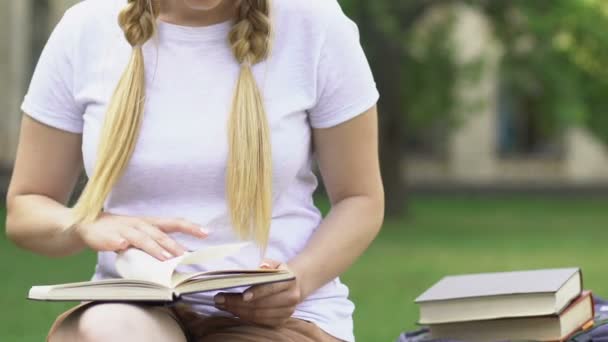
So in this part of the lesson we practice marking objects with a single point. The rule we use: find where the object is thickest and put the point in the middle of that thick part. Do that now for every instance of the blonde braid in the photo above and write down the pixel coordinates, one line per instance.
(124, 113)
(250, 36)
(249, 168)
(138, 21)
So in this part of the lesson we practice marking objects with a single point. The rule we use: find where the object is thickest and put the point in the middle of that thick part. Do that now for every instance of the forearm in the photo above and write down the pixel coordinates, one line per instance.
(346, 232)
(37, 223)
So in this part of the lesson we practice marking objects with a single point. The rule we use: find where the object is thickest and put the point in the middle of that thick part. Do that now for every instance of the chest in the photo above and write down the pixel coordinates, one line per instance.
(183, 140)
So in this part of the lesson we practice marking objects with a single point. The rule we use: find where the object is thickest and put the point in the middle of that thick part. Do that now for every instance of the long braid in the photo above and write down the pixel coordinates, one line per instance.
(138, 21)
(124, 114)
(249, 169)
(250, 36)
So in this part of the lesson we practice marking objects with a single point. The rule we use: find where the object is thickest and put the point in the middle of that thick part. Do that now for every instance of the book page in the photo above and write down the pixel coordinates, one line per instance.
(139, 265)
(180, 278)
(212, 253)
(204, 256)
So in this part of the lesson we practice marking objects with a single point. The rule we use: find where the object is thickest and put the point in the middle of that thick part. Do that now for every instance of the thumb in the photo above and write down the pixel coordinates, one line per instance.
(270, 264)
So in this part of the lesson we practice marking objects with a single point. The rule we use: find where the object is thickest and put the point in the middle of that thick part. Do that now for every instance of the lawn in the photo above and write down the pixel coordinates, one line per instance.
(439, 236)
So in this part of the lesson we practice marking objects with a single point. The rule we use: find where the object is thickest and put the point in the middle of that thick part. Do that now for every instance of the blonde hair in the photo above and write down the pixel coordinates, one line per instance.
(249, 166)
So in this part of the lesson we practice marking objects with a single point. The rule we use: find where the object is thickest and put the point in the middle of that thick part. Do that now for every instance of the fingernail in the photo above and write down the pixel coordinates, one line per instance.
(204, 231)
(219, 299)
(265, 265)
(167, 255)
(247, 296)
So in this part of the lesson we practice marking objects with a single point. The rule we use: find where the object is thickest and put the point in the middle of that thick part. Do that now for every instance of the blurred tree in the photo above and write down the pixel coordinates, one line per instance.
(554, 50)
(557, 51)
(415, 84)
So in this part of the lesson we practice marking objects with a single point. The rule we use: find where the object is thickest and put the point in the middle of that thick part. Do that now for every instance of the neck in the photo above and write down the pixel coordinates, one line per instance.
(177, 12)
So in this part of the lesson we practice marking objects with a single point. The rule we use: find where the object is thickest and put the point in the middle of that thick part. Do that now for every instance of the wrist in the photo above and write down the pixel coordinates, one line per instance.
(303, 277)
(70, 228)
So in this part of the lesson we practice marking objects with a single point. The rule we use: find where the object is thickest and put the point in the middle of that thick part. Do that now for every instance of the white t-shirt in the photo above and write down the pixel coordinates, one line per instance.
(316, 77)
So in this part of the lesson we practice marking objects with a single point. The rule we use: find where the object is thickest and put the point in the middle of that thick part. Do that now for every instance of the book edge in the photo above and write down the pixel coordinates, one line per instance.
(583, 296)
(48, 297)
(180, 294)
(579, 298)
(420, 301)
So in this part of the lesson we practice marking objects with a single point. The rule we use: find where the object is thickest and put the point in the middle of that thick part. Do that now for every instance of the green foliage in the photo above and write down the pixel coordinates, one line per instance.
(431, 63)
(412, 58)
(555, 53)
(555, 57)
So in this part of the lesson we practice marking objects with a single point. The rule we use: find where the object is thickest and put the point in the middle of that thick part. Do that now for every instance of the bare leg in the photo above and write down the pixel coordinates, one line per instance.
(119, 322)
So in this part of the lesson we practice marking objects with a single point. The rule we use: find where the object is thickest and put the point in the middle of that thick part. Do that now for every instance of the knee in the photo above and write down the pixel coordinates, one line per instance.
(119, 322)
(109, 322)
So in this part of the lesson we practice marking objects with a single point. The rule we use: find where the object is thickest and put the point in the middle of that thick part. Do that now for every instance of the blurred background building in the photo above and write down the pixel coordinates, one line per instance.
(500, 140)
(24, 29)
(497, 141)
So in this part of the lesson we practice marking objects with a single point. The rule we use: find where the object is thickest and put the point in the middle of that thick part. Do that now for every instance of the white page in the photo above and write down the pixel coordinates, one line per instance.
(139, 265)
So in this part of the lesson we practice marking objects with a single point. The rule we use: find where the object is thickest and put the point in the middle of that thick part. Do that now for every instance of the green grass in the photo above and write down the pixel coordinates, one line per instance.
(22, 320)
(459, 235)
(440, 236)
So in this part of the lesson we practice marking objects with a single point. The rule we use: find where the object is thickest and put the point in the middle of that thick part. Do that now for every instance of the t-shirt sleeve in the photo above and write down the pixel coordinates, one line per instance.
(345, 84)
(50, 97)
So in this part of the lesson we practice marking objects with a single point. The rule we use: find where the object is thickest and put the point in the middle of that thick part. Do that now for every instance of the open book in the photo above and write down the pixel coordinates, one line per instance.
(145, 278)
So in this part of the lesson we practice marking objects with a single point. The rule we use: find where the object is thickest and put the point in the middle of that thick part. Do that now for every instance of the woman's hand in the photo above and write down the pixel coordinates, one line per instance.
(268, 304)
(115, 233)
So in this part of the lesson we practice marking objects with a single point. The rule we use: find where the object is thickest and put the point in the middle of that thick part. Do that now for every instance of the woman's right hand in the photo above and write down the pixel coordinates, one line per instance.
(117, 232)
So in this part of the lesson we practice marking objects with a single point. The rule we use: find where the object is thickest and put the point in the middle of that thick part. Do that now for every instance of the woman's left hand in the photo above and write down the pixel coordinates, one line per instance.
(268, 304)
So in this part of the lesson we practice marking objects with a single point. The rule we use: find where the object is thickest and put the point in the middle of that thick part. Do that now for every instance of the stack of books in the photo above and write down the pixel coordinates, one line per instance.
(540, 305)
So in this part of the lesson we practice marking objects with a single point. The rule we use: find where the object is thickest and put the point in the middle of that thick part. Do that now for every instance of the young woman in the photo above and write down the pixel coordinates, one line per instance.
(197, 122)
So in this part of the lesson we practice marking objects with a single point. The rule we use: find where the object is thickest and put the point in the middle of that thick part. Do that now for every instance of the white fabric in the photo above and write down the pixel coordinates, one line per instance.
(316, 77)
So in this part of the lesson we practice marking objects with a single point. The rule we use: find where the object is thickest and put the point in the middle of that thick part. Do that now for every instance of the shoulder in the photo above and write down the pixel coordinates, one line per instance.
(313, 15)
(90, 15)
(91, 9)
(310, 9)
(304, 26)
(88, 24)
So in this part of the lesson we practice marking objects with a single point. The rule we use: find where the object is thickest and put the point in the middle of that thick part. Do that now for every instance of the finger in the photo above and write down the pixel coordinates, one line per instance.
(289, 298)
(224, 299)
(117, 243)
(232, 301)
(270, 264)
(283, 299)
(161, 238)
(108, 243)
(103, 239)
(234, 304)
(178, 225)
(265, 290)
(268, 317)
(145, 243)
